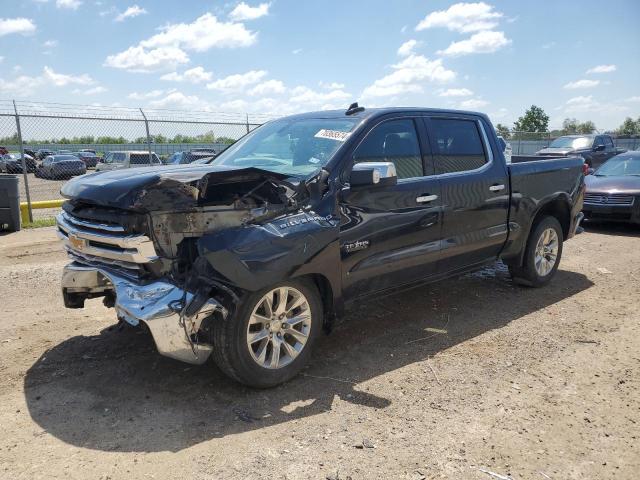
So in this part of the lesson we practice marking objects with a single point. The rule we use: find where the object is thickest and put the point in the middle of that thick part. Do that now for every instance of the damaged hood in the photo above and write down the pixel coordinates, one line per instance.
(159, 188)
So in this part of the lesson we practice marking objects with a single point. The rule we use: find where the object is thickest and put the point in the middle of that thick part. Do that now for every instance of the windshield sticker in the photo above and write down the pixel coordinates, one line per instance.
(314, 160)
(333, 135)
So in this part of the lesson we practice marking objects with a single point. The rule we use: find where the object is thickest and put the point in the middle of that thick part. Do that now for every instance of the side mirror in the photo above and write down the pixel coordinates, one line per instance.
(373, 174)
(598, 148)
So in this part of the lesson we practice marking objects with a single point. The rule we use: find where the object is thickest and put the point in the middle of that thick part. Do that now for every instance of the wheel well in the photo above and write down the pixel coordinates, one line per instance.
(559, 209)
(326, 295)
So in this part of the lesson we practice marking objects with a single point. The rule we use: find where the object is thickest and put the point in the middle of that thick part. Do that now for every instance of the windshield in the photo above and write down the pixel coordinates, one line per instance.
(571, 142)
(63, 158)
(620, 165)
(296, 147)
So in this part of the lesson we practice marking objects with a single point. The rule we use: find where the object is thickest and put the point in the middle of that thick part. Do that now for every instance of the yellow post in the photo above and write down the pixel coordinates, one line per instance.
(24, 207)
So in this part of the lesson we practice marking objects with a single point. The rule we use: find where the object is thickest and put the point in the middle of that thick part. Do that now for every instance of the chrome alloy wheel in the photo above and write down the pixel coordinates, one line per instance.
(546, 252)
(279, 327)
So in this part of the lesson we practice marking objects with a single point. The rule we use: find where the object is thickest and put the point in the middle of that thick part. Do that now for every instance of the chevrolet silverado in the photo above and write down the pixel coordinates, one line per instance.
(248, 259)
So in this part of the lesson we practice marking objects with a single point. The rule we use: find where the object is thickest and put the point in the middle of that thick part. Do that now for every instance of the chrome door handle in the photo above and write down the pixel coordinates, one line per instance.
(496, 188)
(426, 198)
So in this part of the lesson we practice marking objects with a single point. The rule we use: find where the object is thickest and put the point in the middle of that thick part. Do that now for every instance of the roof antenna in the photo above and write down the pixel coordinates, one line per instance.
(354, 108)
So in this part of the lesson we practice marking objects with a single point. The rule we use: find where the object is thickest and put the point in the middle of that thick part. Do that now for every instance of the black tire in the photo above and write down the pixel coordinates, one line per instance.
(231, 352)
(526, 274)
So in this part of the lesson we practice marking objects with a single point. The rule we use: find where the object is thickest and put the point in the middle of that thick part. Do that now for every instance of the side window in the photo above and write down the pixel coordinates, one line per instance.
(393, 141)
(457, 145)
(608, 141)
(139, 159)
(119, 157)
(108, 158)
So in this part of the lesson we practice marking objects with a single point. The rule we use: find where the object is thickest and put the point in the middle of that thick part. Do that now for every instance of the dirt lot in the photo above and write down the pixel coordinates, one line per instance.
(445, 381)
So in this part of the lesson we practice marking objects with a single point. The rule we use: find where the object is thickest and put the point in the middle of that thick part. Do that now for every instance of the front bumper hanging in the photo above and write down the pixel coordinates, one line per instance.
(153, 303)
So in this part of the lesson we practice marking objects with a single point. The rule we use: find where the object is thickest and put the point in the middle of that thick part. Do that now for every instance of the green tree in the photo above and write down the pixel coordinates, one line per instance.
(569, 126)
(586, 127)
(503, 130)
(533, 120)
(629, 127)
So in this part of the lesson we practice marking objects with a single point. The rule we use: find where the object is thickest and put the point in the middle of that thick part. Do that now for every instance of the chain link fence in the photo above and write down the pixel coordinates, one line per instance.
(61, 141)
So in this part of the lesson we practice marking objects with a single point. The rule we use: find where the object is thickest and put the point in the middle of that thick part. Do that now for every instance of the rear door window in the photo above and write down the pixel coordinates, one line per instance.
(457, 145)
(394, 141)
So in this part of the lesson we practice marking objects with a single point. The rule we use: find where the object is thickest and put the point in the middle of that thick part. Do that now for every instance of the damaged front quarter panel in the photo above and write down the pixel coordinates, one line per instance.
(254, 256)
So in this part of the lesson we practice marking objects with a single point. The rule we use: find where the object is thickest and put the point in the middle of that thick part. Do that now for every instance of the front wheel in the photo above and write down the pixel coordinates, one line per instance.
(542, 254)
(268, 339)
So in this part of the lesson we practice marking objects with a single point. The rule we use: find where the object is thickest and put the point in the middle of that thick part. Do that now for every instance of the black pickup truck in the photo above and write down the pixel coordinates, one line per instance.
(595, 149)
(250, 258)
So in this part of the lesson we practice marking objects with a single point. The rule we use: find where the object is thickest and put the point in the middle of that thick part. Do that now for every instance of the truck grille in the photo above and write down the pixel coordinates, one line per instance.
(608, 199)
(110, 244)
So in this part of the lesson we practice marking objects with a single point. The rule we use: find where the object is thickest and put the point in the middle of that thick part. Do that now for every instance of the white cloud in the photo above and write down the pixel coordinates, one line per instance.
(549, 45)
(70, 4)
(139, 59)
(331, 86)
(407, 47)
(602, 69)
(634, 99)
(145, 96)
(237, 82)
(177, 100)
(193, 75)
(309, 97)
(1, 59)
(61, 79)
(408, 76)
(473, 104)
(456, 92)
(132, 11)
(237, 105)
(164, 50)
(90, 91)
(25, 85)
(16, 25)
(582, 84)
(481, 42)
(296, 51)
(268, 87)
(50, 44)
(204, 33)
(245, 12)
(20, 86)
(500, 113)
(463, 18)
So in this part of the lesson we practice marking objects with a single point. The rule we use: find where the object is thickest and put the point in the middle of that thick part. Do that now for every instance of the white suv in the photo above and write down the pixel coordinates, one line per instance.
(128, 159)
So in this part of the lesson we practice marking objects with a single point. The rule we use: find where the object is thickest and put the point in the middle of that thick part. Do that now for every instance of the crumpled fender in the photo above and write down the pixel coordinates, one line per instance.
(256, 256)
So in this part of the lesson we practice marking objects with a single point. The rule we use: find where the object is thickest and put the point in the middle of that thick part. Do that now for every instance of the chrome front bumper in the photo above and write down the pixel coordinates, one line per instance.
(153, 303)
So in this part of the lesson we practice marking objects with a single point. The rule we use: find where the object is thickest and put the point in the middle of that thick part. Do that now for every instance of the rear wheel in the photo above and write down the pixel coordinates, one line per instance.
(269, 338)
(542, 254)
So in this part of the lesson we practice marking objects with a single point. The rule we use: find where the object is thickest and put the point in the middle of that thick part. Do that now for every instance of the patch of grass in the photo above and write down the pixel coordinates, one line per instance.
(40, 222)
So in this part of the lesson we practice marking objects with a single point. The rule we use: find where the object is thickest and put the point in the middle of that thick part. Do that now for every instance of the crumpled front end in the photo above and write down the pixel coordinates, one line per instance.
(173, 315)
(140, 251)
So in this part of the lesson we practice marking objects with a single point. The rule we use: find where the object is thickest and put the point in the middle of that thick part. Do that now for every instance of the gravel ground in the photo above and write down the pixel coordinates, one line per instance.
(453, 380)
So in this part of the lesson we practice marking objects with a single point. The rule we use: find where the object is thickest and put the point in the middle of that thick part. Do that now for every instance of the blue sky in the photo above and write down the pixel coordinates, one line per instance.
(574, 58)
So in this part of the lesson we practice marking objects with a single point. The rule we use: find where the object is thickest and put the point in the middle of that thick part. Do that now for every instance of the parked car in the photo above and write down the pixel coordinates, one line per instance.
(595, 149)
(90, 150)
(3, 150)
(64, 152)
(43, 152)
(12, 163)
(183, 158)
(60, 167)
(613, 190)
(506, 148)
(128, 159)
(250, 257)
(90, 159)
